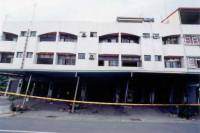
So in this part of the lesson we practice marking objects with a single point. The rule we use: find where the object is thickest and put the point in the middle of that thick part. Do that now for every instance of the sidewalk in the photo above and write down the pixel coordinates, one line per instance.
(5, 107)
(60, 111)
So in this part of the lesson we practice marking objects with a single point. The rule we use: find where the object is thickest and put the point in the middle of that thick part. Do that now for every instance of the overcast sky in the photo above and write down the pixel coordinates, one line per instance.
(88, 10)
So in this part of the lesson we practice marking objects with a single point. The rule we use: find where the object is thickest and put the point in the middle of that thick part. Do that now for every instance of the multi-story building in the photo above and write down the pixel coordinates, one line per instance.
(132, 60)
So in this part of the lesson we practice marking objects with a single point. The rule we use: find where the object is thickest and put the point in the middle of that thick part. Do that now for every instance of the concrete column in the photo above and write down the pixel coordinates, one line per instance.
(54, 58)
(126, 92)
(50, 90)
(119, 37)
(33, 89)
(7, 87)
(19, 87)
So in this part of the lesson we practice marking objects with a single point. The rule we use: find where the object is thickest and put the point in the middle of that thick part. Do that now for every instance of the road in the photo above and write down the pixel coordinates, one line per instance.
(51, 125)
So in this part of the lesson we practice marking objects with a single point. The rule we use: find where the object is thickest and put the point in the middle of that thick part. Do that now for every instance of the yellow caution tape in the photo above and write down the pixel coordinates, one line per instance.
(95, 103)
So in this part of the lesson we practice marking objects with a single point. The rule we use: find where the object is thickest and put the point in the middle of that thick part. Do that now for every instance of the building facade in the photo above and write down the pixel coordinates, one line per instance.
(129, 45)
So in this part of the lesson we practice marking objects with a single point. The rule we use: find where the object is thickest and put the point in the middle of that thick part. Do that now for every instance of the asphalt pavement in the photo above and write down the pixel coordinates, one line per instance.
(51, 125)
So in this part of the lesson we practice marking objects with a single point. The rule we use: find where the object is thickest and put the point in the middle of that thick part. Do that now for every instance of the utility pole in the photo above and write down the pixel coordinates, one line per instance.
(28, 33)
(27, 88)
(75, 94)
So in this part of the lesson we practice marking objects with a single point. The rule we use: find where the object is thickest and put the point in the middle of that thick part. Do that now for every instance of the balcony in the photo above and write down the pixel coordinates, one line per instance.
(6, 57)
(108, 60)
(48, 37)
(131, 61)
(9, 37)
(67, 37)
(66, 59)
(173, 62)
(109, 38)
(173, 39)
(45, 58)
(129, 38)
(193, 62)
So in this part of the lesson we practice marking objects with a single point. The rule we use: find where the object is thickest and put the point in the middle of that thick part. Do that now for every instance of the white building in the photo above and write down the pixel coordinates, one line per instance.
(129, 45)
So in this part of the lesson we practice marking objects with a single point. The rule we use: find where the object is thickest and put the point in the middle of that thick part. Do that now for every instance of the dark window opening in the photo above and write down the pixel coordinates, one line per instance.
(109, 38)
(19, 54)
(23, 33)
(146, 35)
(29, 54)
(129, 38)
(9, 36)
(45, 58)
(66, 59)
(93, 34)
(33, 33)
(131, 61)
(67, 37)
(108, 60)
(147, 57)
(48, 37)
(190, 16)
(6, 57)
(81, 55)
(158, 58)
(174, 39)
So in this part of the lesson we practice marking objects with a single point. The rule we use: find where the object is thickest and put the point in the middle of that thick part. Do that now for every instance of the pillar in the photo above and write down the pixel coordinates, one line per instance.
(50, 90)
(19, 87)
(7, 87)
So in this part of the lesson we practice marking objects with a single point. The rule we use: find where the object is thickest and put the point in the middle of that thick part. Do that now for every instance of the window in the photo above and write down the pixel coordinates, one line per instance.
(108, 60)
(33, 33)
(146, 35)
(131, 61)
(29, 54)
(129, 38)
(109, 38)
(193, 62)
(48, 37)
(147, 57)
(83, 34)
(6, 36)
(158, 58)
(81, 55)
(192, 39)
(156, 36)
(92, 56)
(23, 33)
(6, 57)
(173, 62)
(66, 59)
(19, 54)
(67, 37)
(45, 58)
(93, 34)
(173, 39)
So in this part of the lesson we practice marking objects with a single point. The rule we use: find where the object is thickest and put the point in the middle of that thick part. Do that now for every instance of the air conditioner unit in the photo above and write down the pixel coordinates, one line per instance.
(91, 57)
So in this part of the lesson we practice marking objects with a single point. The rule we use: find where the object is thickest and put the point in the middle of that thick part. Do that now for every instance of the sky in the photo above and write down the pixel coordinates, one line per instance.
(88, 10)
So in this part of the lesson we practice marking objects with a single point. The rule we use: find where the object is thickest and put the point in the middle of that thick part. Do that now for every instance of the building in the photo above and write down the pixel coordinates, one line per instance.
(132, 60)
